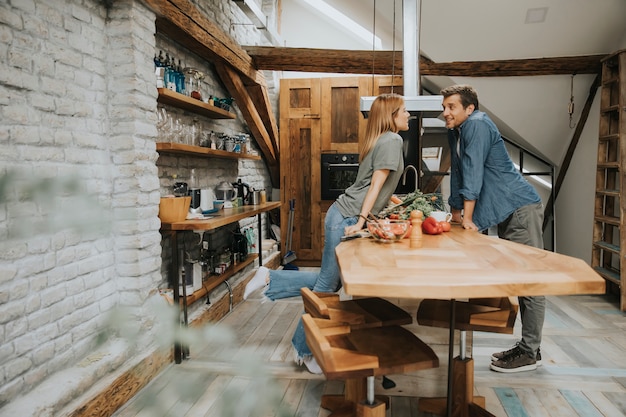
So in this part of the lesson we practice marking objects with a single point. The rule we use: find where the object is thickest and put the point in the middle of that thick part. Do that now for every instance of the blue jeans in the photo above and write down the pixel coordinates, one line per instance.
(287, 283)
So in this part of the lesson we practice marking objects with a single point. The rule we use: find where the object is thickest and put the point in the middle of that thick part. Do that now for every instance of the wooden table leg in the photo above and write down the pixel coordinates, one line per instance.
(462, 393)
(355, 392)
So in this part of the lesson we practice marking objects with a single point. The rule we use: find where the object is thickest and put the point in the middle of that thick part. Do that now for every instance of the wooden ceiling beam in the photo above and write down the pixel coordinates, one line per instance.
(388, 62)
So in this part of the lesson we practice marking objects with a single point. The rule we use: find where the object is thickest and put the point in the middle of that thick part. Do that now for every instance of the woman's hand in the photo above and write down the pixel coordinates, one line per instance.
(355, 228)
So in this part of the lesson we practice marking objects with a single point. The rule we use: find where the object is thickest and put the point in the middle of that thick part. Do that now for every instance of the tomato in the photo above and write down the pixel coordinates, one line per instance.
(394, 216)
(397, 229)
(445, 226)
(430, 226)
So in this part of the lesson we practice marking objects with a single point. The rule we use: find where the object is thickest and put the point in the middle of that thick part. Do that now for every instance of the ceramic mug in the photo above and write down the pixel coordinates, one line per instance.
(441, 216)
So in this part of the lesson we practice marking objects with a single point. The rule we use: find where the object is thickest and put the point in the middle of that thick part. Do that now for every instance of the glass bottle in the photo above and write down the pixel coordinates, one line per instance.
(180, 81)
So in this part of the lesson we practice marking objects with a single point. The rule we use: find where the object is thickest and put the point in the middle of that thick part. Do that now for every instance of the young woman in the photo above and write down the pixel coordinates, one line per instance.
(380, 166)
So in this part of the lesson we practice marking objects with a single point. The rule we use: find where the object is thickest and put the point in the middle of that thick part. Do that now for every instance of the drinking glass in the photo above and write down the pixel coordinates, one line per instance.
(162, 123)
(176, 130)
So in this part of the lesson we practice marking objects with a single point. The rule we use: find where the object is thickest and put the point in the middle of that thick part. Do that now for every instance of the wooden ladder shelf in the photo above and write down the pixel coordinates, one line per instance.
(609, 238)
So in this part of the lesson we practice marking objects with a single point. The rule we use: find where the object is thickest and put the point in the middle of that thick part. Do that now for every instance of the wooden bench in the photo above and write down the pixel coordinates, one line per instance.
(495, 315)
(358, 356)
(358, 313)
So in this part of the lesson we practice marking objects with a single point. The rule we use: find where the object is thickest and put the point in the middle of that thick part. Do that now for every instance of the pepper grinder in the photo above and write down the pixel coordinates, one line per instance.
(415, 240)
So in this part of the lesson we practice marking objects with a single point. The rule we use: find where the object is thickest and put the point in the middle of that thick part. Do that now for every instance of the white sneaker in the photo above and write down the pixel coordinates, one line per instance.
(259, 280)
(312, 365)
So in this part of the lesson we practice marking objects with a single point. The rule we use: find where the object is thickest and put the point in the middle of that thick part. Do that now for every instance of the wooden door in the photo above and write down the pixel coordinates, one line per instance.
(341, 120)
(300, 167)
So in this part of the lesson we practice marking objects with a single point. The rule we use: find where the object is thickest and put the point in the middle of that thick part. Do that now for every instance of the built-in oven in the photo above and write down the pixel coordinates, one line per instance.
(338, 173)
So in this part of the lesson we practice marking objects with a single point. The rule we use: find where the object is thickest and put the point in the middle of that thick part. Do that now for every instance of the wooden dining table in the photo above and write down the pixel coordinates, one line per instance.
(460, 264)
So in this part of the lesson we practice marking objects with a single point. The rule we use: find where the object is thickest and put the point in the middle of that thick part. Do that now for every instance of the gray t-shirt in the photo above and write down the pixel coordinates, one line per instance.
(386, 154)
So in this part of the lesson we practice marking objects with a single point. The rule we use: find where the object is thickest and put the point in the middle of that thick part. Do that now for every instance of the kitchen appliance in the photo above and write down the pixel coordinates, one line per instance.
(243, 190)
(180, 189)
(254, 197)
(225, 191)
(338, 172)
(207, 196)
(194, 207)
(239, 246)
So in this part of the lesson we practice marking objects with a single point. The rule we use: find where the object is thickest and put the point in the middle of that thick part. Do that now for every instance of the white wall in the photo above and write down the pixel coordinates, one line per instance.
(575, 202)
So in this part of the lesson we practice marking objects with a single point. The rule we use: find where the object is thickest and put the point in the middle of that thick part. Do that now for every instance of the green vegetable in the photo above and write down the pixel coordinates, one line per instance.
(416, 200)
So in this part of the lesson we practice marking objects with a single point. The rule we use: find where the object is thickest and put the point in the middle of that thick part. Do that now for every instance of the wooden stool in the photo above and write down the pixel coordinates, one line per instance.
(495, 315)
(359, 313)
(358, 356)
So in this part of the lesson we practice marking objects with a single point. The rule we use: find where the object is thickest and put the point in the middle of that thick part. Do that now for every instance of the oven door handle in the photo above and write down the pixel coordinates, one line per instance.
(330, 166)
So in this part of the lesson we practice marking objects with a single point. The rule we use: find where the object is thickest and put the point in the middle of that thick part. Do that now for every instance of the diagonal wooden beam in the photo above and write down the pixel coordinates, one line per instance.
(571, 149)
(248, 107)
(263, 106)
(386, 62)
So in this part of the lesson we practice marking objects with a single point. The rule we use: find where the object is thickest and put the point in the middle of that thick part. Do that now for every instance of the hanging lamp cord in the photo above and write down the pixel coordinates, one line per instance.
(373, 42)
(393, 47)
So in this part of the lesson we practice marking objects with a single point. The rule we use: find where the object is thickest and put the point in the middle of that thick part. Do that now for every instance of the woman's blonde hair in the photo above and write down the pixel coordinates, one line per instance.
(380, 120)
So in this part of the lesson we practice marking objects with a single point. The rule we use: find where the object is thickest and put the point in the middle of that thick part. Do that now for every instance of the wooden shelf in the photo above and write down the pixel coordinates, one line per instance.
(191, 150)
(222, 217)
(167, 96)
(214, 280)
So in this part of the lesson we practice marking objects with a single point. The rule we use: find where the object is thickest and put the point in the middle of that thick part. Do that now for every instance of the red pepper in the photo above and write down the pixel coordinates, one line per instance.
(430, 226)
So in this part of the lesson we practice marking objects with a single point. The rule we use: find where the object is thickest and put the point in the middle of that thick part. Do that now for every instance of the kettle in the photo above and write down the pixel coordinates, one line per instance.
(225, 191)
(206, 199)
(240, 187)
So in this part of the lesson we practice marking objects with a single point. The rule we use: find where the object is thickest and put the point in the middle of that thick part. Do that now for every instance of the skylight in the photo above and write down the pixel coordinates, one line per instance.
(345, 22)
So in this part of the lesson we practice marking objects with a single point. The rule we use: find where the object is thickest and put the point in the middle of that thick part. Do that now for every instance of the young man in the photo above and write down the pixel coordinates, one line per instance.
(487, 190)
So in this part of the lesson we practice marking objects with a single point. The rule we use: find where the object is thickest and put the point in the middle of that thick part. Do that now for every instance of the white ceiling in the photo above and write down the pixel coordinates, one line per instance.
(529, 110)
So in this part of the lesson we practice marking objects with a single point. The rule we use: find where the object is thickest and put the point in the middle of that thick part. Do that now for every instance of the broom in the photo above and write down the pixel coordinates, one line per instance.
(290, 255)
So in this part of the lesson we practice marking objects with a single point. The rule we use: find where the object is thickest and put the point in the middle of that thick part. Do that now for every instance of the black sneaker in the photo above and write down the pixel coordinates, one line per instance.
(516, 360)
(499, 355)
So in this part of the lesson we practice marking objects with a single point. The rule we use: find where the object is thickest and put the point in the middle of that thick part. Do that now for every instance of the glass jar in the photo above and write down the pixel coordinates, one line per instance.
(229, 144)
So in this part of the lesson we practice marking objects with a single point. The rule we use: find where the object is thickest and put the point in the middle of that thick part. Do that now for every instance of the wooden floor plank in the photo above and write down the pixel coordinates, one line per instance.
(281, 388)
(511, 402)
(618, 399)
(232, 402)
(606, 406)
(532, 405)
(309, 405)
(210, 396)
(293, 395)
(261, 330)
(188, 389)
(554, 402)
(579, 402)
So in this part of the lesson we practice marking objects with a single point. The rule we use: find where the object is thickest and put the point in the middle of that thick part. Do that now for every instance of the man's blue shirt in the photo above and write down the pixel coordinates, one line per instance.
(483, 171)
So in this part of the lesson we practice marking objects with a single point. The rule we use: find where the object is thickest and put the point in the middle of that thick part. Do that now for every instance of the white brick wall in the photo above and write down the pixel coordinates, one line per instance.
(77, 106)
